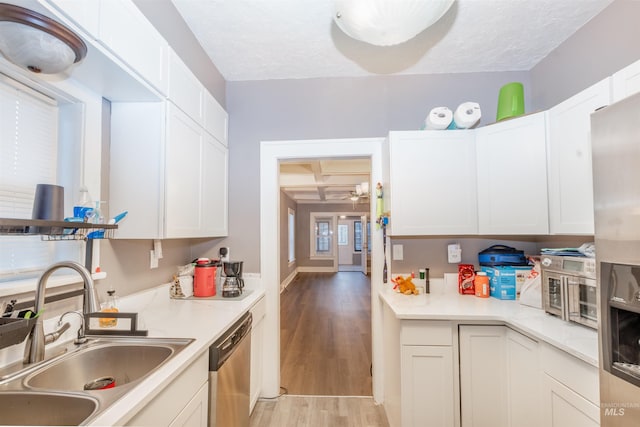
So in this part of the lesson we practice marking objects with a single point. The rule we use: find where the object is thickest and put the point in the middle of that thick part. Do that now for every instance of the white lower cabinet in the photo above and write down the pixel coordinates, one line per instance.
(184, 402)
(570, 390)
(196, 413)
(523, 380)
(563, 407)
(428, 375)
(257, 344)
(483, 376)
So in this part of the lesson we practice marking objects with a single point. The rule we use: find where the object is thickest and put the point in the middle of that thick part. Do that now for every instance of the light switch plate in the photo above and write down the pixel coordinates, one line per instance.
(398, 252)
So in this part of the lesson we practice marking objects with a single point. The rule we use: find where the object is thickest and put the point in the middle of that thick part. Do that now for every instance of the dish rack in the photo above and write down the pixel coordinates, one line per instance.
(56, 230)
(14, 331)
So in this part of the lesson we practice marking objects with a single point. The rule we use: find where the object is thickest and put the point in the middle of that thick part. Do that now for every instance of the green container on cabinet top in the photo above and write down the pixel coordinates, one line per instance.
(510, 101)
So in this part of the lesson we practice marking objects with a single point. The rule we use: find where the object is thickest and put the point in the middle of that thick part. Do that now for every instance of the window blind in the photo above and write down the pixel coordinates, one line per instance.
(28, 156)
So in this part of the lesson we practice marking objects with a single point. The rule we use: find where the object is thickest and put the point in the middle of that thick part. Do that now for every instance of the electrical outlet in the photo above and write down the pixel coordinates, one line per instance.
(398, 252)
(454, 253)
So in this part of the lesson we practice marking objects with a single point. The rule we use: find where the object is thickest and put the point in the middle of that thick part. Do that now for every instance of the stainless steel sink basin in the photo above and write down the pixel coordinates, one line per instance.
(105, 365)
(54, 392)
(40, 409)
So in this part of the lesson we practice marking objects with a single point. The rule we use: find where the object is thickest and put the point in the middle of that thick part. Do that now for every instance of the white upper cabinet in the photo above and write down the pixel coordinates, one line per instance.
(185, 90)
(216, 119)
(512, 176)
(126, 32)
(569, 154)
(433, 183)
(167, 172)
(85, 13)
(215, 166)
(626, 82)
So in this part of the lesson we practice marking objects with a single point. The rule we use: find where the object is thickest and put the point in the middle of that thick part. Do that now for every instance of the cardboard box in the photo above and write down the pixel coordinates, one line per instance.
(505, 282)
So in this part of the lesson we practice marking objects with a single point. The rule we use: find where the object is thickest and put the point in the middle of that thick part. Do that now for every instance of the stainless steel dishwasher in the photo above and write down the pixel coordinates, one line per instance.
(229, 376)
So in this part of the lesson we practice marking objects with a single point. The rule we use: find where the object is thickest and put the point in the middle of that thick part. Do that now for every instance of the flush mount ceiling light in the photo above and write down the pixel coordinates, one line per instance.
(387, 22)
(36, 42)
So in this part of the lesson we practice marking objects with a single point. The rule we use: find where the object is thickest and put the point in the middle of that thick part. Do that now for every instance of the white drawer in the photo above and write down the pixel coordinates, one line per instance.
(426, 332)
(574, 373)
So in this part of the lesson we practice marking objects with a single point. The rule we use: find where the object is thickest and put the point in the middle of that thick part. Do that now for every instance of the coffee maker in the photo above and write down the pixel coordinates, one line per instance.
(233, 283)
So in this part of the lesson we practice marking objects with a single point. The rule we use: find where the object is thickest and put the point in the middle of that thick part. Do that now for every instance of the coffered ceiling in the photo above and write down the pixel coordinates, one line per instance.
(325, 181)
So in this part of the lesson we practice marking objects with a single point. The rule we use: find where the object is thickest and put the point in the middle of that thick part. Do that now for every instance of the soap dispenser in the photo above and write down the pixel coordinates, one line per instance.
(110, 306)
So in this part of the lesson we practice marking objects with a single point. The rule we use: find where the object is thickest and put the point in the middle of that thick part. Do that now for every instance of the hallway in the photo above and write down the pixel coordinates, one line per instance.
(325, 335)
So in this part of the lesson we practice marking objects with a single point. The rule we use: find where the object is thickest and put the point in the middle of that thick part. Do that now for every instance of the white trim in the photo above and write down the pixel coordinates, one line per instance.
(317, 270)
(287, 281)
(271, 153)
(345, 267)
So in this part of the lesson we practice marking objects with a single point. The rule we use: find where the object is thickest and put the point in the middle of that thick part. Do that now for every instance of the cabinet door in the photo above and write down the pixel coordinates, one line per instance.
(563, 407)
(626, 82)
(483, 396)
(196, 413)
(216, 119)
(570, 172)
(512, 177)
(126, 32)
(214, 188)
(433, 183)
(185, 90)
(85, 13)
(257, 340)
(183, 175)
(523, 380)
(427, 390)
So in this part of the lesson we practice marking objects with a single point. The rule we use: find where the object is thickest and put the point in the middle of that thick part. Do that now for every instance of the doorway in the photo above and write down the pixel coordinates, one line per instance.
(272, 152)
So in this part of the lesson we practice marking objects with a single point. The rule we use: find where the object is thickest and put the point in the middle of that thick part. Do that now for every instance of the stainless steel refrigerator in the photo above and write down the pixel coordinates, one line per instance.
(615, 139)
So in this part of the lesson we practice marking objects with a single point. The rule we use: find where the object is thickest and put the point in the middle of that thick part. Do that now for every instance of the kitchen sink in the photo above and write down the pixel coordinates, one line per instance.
(41, 409)
(101, 366)
(77, 385)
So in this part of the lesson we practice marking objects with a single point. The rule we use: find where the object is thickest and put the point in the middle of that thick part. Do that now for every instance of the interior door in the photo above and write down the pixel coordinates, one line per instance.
(365, 244)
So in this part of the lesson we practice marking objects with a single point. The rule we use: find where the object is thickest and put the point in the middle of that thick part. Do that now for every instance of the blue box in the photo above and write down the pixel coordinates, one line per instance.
(505, 282)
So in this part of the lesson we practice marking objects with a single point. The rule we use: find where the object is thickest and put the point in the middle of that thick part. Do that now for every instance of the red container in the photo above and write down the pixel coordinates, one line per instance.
(204, 278)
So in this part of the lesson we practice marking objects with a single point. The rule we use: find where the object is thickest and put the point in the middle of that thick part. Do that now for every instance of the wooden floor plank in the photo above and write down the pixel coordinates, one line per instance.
(326, 335)
(318, 411)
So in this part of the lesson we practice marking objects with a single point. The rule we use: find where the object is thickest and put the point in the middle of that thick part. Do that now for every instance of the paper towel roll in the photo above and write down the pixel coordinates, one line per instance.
(439, 118)
(467, 115)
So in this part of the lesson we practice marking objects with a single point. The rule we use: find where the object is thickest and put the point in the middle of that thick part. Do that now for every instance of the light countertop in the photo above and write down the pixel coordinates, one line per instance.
(445, 303)
(203, 320)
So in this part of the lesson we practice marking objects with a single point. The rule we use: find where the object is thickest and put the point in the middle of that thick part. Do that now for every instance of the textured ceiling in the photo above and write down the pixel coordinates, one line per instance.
(285, 39)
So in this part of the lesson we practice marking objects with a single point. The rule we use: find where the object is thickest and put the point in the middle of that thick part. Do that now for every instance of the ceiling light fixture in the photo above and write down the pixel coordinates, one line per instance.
(387, 22)
(36, 42)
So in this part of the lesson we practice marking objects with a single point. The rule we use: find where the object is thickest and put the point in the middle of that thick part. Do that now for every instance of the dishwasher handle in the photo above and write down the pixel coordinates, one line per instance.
(224, 346)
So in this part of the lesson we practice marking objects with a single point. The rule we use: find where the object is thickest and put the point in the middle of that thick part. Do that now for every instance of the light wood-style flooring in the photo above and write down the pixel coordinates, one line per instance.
(318, 411)
(325, 335)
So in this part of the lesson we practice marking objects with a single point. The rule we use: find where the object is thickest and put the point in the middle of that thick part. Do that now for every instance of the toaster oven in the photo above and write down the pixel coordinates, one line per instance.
(569, 288)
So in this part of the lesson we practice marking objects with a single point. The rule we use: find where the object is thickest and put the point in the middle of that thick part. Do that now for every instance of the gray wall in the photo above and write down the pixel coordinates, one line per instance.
(285, 203)
(432, 252)
(608, 43)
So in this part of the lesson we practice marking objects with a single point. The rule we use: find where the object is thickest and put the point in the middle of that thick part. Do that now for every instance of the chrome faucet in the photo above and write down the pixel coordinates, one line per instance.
(80, 338)
(34, 348)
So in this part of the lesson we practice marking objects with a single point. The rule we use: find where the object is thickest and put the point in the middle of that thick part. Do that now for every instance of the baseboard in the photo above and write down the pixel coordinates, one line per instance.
(316, 270)
(287, 281)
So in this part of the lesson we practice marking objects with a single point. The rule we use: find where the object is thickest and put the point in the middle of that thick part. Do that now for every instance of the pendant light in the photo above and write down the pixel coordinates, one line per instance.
(36, 42)
(387, 22)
